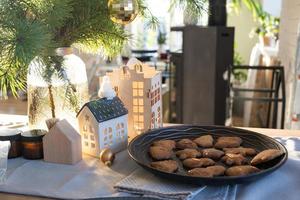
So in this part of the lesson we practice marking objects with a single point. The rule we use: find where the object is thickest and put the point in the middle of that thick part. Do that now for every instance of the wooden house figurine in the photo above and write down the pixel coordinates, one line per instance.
(103, 123)
(62, 144)
(139, 87)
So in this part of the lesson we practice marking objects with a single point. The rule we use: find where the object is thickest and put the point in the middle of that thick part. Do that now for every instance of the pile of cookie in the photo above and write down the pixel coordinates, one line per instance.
(204, 157)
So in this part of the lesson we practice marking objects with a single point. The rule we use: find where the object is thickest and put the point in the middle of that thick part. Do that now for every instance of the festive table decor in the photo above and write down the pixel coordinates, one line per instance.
(103, 122)
(62, 144)
(123, 11)
(38, 35)
(139, 87)
(52, 94)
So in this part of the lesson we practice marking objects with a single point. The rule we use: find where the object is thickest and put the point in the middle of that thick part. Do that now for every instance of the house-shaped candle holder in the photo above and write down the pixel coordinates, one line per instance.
(103, 124)
(139, 87)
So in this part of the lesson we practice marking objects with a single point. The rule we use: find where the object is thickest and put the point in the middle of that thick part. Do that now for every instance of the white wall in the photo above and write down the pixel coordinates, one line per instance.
(243, 23)
(289, 32)
(272, 6)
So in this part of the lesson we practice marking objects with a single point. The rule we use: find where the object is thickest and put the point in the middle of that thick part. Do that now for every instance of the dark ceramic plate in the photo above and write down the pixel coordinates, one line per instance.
(139, 146)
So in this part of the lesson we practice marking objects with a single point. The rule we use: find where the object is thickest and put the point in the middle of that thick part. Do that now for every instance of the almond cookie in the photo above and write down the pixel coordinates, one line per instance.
(205, 141)
(165, 166)
(188, 153)
(241, 150)
(211, 171)
(160, 153)
(234, 159)
(186, 144)
(242, 170)
(197, 162)
(212, 153)
(266, 156)
(228, 142)
(169, 144)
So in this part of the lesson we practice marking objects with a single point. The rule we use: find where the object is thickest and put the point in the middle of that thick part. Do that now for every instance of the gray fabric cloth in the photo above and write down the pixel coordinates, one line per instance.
(144, 183)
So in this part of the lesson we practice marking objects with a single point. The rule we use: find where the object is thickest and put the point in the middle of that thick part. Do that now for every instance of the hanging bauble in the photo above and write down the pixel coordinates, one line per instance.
(122, 11)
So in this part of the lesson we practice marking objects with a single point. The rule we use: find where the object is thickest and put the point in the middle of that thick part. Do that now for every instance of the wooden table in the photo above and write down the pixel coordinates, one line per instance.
(269, 132)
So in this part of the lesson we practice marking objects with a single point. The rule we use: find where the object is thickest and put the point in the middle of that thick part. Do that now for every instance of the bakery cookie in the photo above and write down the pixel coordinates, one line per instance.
(188, 153)
(186, 144)
(266, 156)
(242, 170)
(241, 150)
(205, 141)
(165, 166)
(169, 144)
(212, 153)
(234, 159)
(160, 153)
(228, 142)
(197, 162)
(211, 171)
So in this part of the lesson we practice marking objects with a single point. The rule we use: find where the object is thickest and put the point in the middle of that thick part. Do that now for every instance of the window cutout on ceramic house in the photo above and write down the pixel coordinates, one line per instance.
(141, 93)
(135, 109)
(141, 85)
(134, 85)
(141, 102)
(92, 137)
(135, 92)
(86, 143)
(105, 131)
(91, 129)
(93, 145)
(85, 128)
(87, 118)
(135, 102)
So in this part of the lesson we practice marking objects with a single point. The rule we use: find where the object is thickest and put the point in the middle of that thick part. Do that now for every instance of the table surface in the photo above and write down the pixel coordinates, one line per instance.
(269, 132)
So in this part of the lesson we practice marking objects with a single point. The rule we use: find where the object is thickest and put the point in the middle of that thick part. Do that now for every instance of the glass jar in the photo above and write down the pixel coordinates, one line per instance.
(14, 137)
(62, 95)
(32, 144)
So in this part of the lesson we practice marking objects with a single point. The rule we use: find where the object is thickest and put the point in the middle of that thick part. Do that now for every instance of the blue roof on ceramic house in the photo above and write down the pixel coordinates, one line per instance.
(104, 109)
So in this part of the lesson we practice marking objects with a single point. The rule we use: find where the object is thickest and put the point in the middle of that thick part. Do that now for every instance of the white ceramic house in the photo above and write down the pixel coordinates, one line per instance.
(103, 124)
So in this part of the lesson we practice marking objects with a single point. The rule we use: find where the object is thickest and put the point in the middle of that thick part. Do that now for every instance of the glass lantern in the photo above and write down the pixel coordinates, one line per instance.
(52, 98)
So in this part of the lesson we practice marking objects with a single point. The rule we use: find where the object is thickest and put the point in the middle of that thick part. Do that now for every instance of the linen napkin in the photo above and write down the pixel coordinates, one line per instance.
(144, 183)
(4, 148)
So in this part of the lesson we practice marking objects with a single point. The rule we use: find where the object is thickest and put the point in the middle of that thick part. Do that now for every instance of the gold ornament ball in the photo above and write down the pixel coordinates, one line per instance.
(122, 11)
(107, 156)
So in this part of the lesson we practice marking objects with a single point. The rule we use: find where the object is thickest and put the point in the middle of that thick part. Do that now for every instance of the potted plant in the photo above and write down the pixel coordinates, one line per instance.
(36, 51)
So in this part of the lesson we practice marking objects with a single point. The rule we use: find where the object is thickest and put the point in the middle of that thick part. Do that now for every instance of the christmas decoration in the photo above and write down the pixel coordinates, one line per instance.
(107, 157)
(103, 122)
(50, 97)
(62, 144)
(31, 29)
(35, 29)
(123, 11)
(139, 87)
